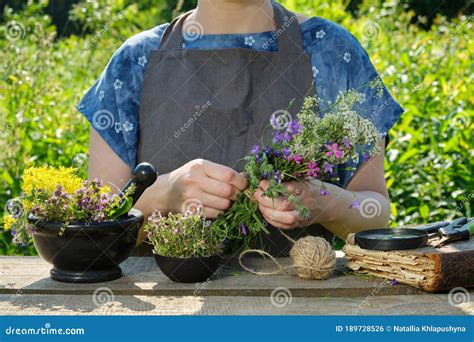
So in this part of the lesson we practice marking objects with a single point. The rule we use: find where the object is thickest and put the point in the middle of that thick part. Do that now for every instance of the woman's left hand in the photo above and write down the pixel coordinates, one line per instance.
(280, 212)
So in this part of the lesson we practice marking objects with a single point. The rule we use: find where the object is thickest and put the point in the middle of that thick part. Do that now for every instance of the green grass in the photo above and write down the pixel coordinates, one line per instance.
(429, 162)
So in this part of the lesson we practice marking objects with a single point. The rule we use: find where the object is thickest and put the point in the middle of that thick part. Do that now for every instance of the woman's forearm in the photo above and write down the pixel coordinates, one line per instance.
(342, 211)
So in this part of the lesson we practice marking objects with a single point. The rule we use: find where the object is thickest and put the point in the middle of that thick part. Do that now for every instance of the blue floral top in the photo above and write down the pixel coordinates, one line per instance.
(339, 63)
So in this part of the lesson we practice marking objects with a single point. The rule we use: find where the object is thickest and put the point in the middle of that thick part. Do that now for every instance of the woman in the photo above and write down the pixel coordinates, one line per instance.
(193, 96)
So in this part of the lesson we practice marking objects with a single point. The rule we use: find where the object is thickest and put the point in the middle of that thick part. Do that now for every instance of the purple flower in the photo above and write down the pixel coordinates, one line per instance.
(295, 127)
(258, 159)
(274, 121)
(265, 175)
(277, 176)
(243, 229)
(35, 210)
(297, 159)
(333, 149)
(268, 150)
(278, 137)
(323, 192)
(277, 154)
(313, 169)
(287, 136)
(328, 168)
(355, 204)
(366, 156)
(346, 142)
(59, 190)
(255, 149)
(286, 152)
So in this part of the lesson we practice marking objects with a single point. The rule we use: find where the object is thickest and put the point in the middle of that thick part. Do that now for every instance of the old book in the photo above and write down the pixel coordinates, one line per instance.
(428, 268)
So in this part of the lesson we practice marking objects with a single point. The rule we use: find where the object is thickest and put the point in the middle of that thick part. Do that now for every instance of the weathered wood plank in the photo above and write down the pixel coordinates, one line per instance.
(30, 275)
(426, 304)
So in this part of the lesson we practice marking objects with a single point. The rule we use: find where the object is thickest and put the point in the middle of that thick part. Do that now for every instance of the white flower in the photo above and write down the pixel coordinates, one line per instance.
(320, 34)
(101, 95)
(347, 57)
(315, 72)
(249, 41)
(390, 70)
(142, 61)
(118, 84)
(127, 126)
(118, 127)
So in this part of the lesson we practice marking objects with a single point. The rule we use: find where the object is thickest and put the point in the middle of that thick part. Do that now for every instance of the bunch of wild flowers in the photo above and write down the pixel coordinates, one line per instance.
(310, 147)
(183, 235)
(52, 194)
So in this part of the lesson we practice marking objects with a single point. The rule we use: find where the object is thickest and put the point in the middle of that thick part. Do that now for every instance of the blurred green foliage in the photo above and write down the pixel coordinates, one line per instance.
(430, 72)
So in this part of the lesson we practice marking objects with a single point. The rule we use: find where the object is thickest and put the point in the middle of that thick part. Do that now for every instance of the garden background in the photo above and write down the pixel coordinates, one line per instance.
(53, 51)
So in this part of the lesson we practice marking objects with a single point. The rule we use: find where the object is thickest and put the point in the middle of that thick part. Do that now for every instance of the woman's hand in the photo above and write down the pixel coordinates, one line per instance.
(364, 204)
(203, 183)
(280, 212)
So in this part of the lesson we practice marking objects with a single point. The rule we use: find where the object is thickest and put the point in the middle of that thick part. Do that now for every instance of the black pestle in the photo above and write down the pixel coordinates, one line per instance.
(143, 176)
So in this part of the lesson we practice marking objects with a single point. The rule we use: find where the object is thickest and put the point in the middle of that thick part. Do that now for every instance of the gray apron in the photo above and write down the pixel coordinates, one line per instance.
(217, 104)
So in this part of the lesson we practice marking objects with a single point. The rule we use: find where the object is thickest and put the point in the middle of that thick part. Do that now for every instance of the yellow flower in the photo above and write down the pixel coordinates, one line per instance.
(8, 221)
(47, 178)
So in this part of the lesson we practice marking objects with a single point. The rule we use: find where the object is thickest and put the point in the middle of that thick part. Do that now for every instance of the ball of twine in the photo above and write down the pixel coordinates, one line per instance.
(313, 258)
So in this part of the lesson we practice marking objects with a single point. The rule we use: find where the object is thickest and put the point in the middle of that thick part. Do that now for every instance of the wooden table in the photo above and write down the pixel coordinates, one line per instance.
(26, 289)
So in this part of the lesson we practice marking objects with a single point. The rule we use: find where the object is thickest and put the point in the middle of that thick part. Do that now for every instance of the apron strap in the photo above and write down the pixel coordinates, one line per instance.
(172, 38)
(288, 32)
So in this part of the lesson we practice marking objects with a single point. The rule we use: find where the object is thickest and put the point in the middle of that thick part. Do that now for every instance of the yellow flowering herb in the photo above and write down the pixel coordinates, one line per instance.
(47, 178)
(8, 221)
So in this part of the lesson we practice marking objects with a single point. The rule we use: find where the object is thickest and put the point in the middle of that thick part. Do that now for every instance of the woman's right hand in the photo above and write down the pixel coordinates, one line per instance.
(203, 183)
